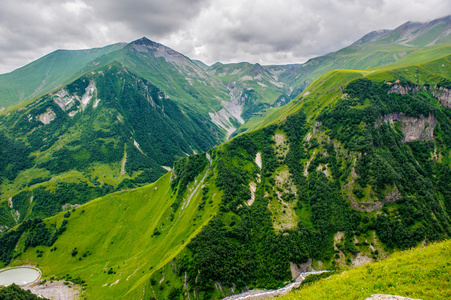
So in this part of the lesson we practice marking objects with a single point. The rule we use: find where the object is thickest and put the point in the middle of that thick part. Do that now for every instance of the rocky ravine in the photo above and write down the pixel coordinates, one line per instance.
(263, 294)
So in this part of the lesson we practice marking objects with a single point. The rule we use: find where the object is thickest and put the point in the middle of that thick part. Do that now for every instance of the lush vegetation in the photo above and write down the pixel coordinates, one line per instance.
(386, 161)
(34, 233)
(335, 182)
(241, 247)
(75, 159)
(13, 291)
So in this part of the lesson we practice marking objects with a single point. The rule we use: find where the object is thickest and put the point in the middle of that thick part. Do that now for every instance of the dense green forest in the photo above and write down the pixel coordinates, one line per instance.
(15, 292)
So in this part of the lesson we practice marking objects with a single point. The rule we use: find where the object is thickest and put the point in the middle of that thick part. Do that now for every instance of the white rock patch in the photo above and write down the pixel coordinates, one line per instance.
(253, 189)
(137, 146)
(258, 160)
(47, 117)
(63, 99)
(87, 96)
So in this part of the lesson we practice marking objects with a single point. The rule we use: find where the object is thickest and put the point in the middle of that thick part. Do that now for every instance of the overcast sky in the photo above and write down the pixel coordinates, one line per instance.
(263, 31)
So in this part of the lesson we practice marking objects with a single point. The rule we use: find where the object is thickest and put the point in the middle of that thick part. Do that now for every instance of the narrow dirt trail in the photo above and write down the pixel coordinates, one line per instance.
(124, 161)
(199, 184)
(263, 294)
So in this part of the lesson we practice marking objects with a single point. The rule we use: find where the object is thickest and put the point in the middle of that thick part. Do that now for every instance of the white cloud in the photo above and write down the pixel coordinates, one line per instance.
(285, 31)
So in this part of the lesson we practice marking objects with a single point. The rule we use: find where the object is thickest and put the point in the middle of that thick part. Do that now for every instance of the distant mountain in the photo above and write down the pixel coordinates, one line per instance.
(416, 34)
(256, 86)
(378, 48)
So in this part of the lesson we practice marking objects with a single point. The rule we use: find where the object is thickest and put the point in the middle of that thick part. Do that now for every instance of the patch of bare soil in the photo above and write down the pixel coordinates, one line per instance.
(54, 290)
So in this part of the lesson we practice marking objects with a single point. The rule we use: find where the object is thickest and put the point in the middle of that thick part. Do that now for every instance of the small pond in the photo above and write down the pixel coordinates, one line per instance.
(19, 275)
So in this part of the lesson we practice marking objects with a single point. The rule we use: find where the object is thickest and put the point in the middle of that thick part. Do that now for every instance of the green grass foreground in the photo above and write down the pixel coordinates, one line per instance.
(421, 273)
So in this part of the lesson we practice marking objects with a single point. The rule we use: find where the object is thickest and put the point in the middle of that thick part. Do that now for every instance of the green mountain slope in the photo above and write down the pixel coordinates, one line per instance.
(136, 233)
(421, 273)
(175, 74)
(48, 73)
(356, 168)
(106, 131)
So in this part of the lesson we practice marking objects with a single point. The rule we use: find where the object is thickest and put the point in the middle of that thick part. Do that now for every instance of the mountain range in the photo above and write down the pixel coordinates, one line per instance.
(209, 180)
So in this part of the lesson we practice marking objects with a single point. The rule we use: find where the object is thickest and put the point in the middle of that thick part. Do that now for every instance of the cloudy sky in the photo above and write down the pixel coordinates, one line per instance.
(264, 31)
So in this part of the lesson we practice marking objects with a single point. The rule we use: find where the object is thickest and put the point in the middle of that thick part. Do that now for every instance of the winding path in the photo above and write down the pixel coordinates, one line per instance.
(199, 184)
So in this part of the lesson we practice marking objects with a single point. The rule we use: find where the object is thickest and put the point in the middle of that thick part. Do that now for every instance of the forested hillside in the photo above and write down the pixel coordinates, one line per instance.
(106, 131)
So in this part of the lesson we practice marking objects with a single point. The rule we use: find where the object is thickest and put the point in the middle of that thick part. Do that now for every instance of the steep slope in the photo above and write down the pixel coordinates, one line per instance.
(421, 57)
(355, 169)
(260, 86)
(175, 74)
(135, 234)
(108, 130)
(48, 73)
(336, 184)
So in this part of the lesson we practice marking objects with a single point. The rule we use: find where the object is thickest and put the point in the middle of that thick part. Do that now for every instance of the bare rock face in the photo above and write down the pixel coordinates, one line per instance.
(414, 129)
(388, 297)
(63, 99)
(441, 93)
(444, 95)
(403, 90)
(296, 270)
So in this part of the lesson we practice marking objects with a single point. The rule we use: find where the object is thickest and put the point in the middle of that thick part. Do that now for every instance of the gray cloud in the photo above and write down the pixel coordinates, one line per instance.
(293, 31)
(31, 29)
(285, 31)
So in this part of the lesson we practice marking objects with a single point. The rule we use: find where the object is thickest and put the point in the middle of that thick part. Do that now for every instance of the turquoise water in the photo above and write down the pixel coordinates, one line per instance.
(19, 276)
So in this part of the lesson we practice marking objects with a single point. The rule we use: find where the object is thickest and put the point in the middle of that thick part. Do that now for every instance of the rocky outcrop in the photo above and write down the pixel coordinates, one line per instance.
(403, 90)
(66, 101)
(393, 196)
(443, 94)
(296, 269)
(63, 99)
(366, 206)
(414, 129)
(47, 117)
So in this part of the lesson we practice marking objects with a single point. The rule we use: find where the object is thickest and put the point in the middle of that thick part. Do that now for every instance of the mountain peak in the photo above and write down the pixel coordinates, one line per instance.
(145, 42)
